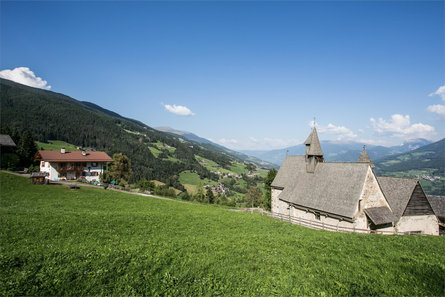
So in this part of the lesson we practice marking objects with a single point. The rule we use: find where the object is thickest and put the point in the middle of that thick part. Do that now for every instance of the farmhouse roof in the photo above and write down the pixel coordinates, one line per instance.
(5, 140)
(438, 205)
(314, 144)
(380, 215)
(397, 192)
(74, 156)
(364, 158)
(333, 188)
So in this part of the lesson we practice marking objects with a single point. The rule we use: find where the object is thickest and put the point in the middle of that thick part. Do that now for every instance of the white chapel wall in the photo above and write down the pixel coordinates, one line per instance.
(426, 224)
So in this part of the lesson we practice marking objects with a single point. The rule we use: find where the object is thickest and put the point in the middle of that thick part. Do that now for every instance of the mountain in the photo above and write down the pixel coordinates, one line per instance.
(338, 151)
(154, 155)
(185, 134)
(426, 163)
(217, 148)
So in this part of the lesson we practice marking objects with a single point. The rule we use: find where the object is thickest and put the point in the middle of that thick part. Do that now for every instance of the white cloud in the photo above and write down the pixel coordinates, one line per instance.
(438, 109)
(253, 143)
(179, 110)
(23, 75)
(225, 141)
(381, 142)
(340, 131)
(440, 91)
(400, 126)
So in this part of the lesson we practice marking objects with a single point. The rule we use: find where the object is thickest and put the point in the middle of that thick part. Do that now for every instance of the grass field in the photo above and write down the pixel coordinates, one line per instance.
(56, 241)
(55, 145)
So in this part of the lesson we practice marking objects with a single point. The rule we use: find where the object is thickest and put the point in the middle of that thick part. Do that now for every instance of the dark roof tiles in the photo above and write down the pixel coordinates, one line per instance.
(5, 140)
(380, 215)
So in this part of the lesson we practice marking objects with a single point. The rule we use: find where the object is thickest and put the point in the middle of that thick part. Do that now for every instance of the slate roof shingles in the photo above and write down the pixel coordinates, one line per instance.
(6, 140)
(333, 188)
(380, 215)
(397, 192)
(438, 205)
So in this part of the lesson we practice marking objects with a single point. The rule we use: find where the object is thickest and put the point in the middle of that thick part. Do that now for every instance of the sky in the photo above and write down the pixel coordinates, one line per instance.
(250, 75)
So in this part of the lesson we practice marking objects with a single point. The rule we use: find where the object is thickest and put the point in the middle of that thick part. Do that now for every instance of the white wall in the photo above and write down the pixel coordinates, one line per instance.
(89, 171)
(278, 206)
(427, 224)
(371, 196)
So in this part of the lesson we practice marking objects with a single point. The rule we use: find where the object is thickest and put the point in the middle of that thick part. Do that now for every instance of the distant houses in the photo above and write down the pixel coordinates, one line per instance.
(72, 165)
(349, 195)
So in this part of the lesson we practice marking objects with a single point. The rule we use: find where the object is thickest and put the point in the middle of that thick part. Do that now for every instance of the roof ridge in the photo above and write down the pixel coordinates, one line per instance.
(407, 178)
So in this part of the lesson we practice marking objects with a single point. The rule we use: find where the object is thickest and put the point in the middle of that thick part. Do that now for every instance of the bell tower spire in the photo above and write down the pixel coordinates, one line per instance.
(314, 154)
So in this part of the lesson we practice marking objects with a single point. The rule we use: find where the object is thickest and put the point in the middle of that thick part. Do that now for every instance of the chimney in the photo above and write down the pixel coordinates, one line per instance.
(62, 150)
(84, 153)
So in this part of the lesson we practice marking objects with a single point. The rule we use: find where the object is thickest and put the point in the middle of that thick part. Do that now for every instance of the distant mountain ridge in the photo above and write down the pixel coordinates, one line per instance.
(214, 146)
(338, 152)
(426, 163)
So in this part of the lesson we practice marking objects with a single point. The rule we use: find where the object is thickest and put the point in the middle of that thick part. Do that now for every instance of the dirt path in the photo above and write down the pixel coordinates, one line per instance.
(66, 183)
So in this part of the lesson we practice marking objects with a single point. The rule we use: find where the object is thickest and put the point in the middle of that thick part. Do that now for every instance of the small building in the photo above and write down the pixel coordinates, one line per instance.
(349, 195)
(72, 165)
(438, 205)
(39, 178)
(6, 141)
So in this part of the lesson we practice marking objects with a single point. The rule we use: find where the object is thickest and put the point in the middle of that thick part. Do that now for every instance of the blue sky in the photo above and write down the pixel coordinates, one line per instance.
(248, 75)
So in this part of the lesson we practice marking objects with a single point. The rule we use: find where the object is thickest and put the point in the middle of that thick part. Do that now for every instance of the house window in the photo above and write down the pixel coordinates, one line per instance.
(359, 205)
(317, 216)
(42, 163)
(94, 164)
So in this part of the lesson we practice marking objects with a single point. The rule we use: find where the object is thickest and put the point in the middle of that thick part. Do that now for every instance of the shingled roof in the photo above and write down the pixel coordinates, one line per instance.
(333, 188)
(314, 144)
(397, 192)
(438, 205)
(380, 215)
(5, 140)
(364, 158)
(74, 156)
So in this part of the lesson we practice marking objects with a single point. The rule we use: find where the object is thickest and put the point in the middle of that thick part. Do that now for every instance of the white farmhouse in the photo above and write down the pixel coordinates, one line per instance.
(71, 165)
(349, 194)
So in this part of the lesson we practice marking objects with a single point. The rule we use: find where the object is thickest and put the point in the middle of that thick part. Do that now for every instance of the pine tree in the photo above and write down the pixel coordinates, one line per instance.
(210, 196)
(268, 193)
(26, 149)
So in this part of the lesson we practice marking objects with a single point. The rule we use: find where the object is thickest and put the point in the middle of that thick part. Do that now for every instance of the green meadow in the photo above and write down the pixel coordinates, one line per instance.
(57, 241)
(56, 145)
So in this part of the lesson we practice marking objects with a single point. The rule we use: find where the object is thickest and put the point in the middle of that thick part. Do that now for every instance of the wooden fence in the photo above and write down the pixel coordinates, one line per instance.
(321, 225)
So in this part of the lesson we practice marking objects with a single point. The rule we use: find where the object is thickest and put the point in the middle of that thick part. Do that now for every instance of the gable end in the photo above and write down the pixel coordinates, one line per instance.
(418, 204)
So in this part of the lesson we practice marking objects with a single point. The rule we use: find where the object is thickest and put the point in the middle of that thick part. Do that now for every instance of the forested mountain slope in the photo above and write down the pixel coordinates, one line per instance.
(426, 163)
(155, 155)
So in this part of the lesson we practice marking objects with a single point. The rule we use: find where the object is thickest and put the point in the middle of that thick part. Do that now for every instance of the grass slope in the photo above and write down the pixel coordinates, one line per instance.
(55, 145)
(57, 241)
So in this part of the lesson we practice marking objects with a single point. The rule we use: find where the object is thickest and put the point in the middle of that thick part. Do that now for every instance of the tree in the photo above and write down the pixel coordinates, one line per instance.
(253, 197)
(210, 196)
(268, 193)
(199, 196)
(120, 170)
(146, 185)
(26, 149)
